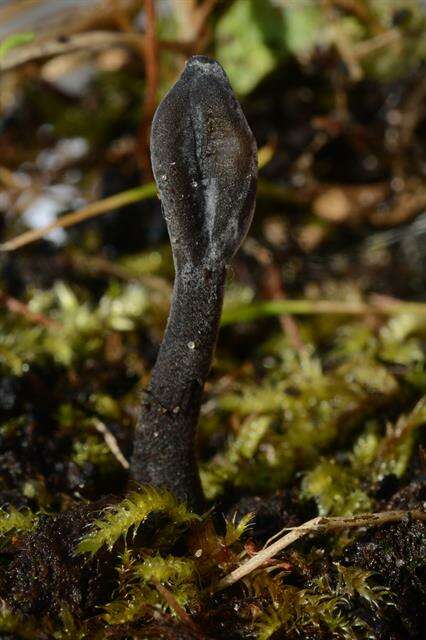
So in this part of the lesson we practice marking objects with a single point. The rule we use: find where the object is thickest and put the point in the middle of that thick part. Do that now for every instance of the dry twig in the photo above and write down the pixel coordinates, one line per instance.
(151, 72)
(92, 210)
(21, 309)
(374, 44)
(320, 524)
(111, 442)
(148, 50)
(273, 288)
(174, 605)
(90, 40)
(192, 18)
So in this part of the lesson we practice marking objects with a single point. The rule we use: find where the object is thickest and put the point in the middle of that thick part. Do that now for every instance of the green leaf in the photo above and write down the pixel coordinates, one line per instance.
(303, 24)
(249, 42)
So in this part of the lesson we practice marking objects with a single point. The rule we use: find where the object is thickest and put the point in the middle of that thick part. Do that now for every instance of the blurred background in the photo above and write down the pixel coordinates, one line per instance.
(334, 92)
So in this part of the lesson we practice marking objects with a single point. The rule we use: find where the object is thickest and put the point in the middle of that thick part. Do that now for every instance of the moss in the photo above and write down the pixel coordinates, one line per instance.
(344, 412)
(12, 519)
(13, 624)
(118, 519)
(93, 450)
(325, 608)
(177, 575)
(300, 412)
(82, 327)
(396, 447)
(336, 490)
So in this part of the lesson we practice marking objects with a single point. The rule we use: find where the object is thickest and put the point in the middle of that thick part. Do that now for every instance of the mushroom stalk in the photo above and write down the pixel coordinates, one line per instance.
(204, 163)
(164, 451)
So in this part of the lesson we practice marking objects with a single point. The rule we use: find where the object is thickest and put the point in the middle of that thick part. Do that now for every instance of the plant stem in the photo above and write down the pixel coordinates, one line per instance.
(256, 310)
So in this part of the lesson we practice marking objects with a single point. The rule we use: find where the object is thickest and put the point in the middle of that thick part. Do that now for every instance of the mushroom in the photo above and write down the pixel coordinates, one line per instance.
(205, 165)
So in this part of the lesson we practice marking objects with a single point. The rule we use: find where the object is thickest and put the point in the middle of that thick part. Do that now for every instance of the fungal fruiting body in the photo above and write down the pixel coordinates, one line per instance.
(205, 165)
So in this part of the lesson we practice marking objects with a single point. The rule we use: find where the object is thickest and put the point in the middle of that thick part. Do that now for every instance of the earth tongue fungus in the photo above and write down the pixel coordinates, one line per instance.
(204, 162)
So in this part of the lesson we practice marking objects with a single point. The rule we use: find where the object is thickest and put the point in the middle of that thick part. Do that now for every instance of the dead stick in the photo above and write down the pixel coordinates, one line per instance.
(174, 605)
(91, 40)
(94, 209)
(320, 524)
(151, 61)
(21, 309)
(111, 442)
(151, 72)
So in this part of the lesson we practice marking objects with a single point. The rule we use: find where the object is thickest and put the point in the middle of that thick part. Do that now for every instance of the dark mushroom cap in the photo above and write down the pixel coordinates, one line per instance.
(204, 159)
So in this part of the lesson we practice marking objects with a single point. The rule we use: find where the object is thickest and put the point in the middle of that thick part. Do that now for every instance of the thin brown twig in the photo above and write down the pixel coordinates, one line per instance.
(275, 192)
(203, 12)
(362, 11)
(10, 180)
(151, 72)
(192, 18)
(407, 205)
(90, 40)
(94, 209)
(174, 604)
(111, 442)
(274, 290)
(20, 308)
(320, 524)
(380, 41)
(148, 51)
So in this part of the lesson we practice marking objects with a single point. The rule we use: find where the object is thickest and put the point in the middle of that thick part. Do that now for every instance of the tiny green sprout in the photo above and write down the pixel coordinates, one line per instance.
(205, 165)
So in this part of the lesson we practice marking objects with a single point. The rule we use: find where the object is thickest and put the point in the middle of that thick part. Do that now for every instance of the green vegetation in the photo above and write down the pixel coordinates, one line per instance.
(118, 519)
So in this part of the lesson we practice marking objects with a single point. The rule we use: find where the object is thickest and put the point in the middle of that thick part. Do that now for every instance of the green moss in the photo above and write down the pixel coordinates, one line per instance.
(12, 519)
(226, 466)
(14, 624)
(396, 447)
(93, 450)
(118, 519)
(299, 412)
(78, 329)
(328, 606)
(335, 489)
